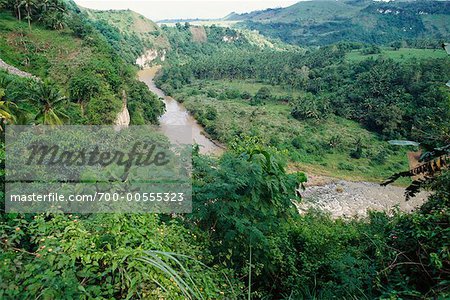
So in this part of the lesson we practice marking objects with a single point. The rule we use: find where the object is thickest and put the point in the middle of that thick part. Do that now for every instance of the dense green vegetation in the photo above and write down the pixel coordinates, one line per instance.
(251, 227)
(325, 22)
(303, 103)
(360, 91)
(330, 109)
(79, 62)
(192, 42)
(129, 33)
(325, 145)
(309, 106)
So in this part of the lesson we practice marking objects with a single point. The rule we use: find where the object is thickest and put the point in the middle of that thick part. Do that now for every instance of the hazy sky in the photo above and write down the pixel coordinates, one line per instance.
(185, 9)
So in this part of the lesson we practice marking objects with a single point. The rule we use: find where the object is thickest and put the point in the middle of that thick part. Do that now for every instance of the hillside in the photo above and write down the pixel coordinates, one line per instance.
(324, 22)
(130, 33)
(73, 60)
(283, 211)
(124, 20)
(307, 11)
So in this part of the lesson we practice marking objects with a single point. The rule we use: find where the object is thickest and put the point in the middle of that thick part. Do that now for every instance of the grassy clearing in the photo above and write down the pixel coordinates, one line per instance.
(398, 55)
(324, 146)
(250, 87)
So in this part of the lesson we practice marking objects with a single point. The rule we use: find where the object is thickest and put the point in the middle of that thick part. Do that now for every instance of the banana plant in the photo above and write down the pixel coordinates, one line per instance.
(433, 162)
(6, 116)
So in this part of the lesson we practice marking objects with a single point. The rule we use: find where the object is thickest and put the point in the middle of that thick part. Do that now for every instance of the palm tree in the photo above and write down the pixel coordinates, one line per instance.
(6, 116)
(11, 114)
(50, 101)
(56, 5)
(44, 5)
(29, 6)
(17, 9)
(53, 12)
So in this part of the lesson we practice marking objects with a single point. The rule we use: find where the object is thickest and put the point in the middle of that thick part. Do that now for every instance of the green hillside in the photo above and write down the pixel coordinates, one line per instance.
(128, 32)
(125, 20)
(402, 54)
(307, 11)
(343, 113)
(73, 58)
(324, 22)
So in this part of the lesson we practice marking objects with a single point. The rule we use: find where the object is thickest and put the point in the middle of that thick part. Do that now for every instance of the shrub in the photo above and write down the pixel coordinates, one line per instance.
(233, 94)
(103, 256)
(297, 142)
(345, 166)
(380, 158)
(103, 110)
(246, 95)
(263, 95)
(309, 107)
(357, 152)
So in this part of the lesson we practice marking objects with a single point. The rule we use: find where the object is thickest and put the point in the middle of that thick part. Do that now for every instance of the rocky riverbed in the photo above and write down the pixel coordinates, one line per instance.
(343, 198)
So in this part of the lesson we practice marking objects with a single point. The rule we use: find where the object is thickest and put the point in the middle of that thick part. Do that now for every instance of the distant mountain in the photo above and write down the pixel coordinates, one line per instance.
(185, 20)
(321, 22)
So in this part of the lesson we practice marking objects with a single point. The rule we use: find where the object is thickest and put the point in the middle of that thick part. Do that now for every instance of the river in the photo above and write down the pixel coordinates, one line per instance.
(340, 198)
(176, 114)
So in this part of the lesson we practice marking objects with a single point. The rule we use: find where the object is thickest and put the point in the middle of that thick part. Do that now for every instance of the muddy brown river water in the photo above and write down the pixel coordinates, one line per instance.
(177, 119)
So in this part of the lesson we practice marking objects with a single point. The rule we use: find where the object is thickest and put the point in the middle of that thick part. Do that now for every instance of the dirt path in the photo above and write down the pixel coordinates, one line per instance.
(13, 70)
(342, 198)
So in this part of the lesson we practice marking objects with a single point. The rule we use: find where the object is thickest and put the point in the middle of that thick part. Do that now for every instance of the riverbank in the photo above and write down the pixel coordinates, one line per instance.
(176, 121)
(345, 198)
(338, 197)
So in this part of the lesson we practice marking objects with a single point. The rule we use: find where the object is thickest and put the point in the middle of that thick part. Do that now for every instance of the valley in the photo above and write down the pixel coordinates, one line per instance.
(339, 197)
(317, 165)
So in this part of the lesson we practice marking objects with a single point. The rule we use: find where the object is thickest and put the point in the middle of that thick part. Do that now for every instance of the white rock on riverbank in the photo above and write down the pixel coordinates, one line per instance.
(343, 198)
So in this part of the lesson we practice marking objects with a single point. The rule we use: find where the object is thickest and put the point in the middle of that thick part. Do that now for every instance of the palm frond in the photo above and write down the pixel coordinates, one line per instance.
(163, 261)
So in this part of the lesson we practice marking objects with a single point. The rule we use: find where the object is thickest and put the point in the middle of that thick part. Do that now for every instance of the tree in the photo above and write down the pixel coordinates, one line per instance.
(308, 106)
(17, 11)
(261, 96)
(29, 5)
(52, 13)
(103, 110)
(83, 87)
(243, 200)
(49, 102)
(143, 104)
(79, 26)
